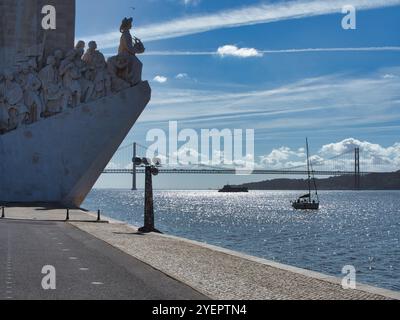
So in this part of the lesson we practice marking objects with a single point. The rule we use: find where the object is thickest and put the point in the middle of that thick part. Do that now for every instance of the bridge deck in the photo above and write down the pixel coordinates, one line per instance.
(234, 172)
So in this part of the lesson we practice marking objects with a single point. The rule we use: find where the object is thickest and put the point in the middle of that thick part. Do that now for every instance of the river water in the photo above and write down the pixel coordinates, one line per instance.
(361, 229)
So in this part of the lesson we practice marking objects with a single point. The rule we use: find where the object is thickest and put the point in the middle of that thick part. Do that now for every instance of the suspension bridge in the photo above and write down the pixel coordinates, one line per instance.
(348, 163)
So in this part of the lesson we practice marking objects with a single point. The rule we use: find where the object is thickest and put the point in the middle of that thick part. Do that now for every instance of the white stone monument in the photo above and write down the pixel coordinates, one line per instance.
(63, 112)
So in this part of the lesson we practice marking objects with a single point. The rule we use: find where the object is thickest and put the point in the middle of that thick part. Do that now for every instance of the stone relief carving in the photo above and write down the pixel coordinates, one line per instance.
(29, 93)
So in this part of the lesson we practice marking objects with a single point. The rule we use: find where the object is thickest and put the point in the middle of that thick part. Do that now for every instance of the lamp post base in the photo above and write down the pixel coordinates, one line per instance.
(148, 230)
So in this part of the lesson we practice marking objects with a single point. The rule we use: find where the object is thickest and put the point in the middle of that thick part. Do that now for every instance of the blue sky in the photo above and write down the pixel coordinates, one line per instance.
(329, 96)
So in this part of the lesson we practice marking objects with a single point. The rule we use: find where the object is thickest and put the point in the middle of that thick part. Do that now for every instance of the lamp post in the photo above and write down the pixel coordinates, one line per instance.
(151, 169)
(134, 168)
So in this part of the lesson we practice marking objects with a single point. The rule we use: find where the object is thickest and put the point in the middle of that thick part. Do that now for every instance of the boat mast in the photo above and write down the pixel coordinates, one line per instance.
(308, 170)
(314, 181)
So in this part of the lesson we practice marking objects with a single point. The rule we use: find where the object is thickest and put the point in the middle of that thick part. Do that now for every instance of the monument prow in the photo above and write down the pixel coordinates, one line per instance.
(60, 159)
(64, 111)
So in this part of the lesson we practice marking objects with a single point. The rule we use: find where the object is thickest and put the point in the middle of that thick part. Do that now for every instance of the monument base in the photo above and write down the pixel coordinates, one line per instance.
(58, 160)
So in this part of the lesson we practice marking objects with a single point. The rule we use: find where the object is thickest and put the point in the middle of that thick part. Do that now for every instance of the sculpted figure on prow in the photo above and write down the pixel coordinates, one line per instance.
(130, 47)
(30, 91)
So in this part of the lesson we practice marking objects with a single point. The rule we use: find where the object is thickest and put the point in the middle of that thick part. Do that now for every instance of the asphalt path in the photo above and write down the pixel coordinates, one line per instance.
(85, 268)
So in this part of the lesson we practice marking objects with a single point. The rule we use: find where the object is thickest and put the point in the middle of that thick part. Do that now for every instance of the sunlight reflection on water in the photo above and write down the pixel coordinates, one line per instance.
(356, 228)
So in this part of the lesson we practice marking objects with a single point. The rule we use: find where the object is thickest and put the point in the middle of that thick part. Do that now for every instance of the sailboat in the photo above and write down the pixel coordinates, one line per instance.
(308, 201)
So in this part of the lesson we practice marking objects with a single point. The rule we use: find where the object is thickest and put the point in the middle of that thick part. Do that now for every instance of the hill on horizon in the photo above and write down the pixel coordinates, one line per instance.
(373, 181)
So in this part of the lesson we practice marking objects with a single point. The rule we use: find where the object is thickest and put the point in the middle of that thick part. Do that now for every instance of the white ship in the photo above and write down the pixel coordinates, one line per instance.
(59, 157)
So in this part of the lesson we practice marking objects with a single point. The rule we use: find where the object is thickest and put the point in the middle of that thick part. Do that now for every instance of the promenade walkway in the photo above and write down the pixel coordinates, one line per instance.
(214, 272)
(85, 267)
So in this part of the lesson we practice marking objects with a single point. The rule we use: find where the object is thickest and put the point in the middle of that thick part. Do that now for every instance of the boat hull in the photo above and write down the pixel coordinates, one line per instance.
(305, 206)
(230, 189)
(59, 159)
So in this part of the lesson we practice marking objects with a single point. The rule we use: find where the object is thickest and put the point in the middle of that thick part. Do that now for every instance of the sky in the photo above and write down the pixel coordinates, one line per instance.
(286, 69)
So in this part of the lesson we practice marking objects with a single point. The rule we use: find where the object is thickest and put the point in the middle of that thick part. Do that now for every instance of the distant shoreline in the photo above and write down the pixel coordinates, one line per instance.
(371, 182)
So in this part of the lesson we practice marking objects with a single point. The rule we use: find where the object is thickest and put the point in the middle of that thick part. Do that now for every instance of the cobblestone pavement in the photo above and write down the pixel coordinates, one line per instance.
(213, 271)
(221, 274)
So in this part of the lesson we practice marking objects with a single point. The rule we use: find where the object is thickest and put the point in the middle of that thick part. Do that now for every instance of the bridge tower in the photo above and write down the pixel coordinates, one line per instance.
(357, 172)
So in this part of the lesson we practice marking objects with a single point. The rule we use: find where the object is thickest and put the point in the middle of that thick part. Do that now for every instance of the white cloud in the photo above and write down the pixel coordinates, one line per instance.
(264, 13)
(341, 147)
(348, 49)
(181, 76)
(285, 51)
(191, 2)
(234, 51)
(348, 145)
(283, 157)
(389, 76)
(373, 157)
(160, 79)
(303, 105)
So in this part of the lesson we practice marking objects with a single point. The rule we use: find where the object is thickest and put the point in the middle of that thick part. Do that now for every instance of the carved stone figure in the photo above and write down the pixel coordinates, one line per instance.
(118, 68)
(18, 75)
(80, 45)
(97, 63)
(14, 98)
(92, 56)
(86, 84)
(71, 76)
(130, 47)
(55, 97)
(4, 116)
(33, 64)
(59, 56)
(32, 98)
(102, 81)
